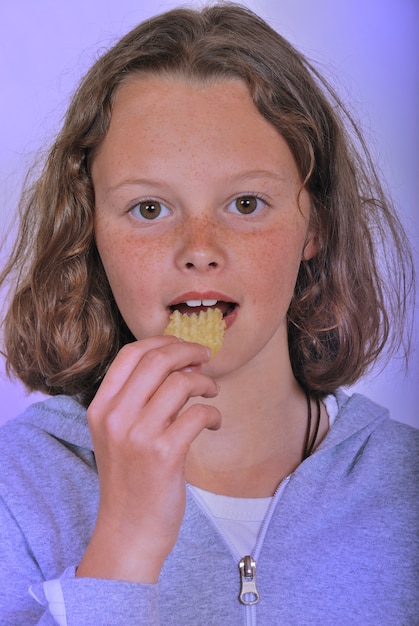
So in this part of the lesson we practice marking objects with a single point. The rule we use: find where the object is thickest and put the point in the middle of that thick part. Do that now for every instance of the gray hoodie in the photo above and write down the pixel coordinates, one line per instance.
(339, 546)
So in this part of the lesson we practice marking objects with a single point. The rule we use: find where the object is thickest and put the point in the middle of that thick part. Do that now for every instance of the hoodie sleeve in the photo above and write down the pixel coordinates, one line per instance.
(72, 601)
(27, 598)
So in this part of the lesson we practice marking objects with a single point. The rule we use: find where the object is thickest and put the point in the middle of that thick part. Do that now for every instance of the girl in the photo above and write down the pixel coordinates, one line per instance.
(203, 163)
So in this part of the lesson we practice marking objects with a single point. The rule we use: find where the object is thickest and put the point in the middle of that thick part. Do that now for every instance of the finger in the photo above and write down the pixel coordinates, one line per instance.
(198, 417)
(117, 375)
(127, 359)
(171, 447)
(125, 412)
(144, 365)
(172, 395)
(124, 398)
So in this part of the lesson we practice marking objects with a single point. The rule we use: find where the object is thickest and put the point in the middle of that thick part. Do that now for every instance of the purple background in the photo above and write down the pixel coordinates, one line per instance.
(368, 48)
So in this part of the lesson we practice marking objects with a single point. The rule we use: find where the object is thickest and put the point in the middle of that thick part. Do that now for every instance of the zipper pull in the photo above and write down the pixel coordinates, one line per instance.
(248, 581)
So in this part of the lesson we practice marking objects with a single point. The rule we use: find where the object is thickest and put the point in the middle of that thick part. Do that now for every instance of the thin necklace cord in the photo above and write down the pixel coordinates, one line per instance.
(309, 447)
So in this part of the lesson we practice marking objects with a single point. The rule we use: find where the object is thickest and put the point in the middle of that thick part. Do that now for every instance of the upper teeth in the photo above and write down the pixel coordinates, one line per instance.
(201, 302)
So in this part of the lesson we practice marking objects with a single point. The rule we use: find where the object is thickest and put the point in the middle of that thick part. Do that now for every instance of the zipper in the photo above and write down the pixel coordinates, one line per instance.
(248, 594)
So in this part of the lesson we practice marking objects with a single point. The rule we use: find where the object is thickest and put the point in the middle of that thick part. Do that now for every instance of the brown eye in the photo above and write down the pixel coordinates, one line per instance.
(246, 204)
(149, 210)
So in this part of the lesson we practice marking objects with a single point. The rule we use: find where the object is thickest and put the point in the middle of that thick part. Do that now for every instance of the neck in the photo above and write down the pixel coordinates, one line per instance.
(261, 439)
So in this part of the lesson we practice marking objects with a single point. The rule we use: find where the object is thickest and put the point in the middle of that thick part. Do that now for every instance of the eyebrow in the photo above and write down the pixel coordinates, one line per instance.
(260, 173)
(132, 182)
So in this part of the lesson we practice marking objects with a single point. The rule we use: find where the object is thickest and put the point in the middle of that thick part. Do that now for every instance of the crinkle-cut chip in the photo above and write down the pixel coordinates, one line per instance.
(206, 327)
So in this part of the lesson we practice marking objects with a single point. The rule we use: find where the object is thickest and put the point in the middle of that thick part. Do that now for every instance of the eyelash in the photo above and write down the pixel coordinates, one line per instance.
(250, 196)
(150, 202)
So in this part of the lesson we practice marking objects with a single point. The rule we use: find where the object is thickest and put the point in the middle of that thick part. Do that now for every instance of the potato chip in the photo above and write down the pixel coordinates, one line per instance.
(206, 327)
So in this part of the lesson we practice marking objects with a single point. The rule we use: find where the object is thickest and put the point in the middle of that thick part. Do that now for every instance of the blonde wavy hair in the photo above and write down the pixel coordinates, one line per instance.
(62, 328)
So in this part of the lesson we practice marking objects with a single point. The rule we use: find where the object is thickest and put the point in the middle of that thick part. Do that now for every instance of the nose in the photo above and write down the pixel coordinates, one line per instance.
(200, 246)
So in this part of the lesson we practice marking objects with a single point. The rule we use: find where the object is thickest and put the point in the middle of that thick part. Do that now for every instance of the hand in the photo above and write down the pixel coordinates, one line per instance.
(141, 439)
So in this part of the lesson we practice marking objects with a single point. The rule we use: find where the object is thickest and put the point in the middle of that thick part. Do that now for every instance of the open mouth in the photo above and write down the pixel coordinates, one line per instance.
(195, 306)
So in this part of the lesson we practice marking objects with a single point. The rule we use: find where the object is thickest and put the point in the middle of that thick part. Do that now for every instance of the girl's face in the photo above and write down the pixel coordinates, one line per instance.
(198, 199)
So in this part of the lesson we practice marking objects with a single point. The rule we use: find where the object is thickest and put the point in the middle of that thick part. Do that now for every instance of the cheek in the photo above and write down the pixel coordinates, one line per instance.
(130, 267)
(273, 261)
(133, 273)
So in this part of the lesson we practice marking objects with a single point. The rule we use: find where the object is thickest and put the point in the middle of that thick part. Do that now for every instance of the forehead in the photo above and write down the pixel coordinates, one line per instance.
(167, 116)
(172, 101)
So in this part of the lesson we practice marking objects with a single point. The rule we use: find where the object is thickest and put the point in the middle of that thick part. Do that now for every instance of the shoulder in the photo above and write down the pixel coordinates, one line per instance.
(359, 415)
(366, 444)
(48, 435)
(61, 417)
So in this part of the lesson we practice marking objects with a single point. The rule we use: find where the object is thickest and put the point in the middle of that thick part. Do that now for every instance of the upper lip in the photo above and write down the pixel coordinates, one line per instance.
(198, 295)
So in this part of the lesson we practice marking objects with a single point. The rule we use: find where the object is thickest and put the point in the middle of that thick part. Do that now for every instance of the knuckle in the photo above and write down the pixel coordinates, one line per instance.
(155, 360)
(201, 412)
(207, 415)
(137, 439)
(108, 422)
(128, 350)
(93, 413)
(113, 427)
(157, 451)
(162, 450)
(180, 380)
